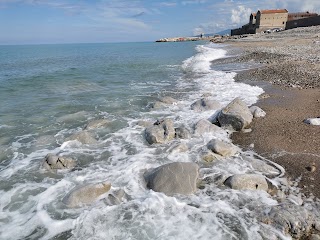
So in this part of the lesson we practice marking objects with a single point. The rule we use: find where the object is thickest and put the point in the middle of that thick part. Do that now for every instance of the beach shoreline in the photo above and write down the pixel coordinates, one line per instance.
(286, 66)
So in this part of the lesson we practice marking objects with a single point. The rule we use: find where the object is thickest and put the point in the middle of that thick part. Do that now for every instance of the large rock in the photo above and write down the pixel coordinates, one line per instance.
(83, 137)
(247, 182)
(204, 126)
(205, 104)
(236, 115)
(222, 148)
(174, 178)
(53, 163)
(86, 194)
(182, 132)
(257, 112)
(160, 132)
(96, 124)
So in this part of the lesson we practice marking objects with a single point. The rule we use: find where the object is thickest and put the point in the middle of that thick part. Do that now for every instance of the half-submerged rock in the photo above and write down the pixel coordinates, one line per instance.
(83, 137)
(222, 148)
(163, 102)
(236, 115)
(97, 124)
(205, 104)
(85, 195)
(247, 182)
(160, 132)
(174, 178)
(53, 163)
(205, 126)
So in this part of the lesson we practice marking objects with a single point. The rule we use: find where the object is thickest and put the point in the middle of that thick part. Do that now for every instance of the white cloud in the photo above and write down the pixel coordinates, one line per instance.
(210, 27)
(240, 15)
(298, 5)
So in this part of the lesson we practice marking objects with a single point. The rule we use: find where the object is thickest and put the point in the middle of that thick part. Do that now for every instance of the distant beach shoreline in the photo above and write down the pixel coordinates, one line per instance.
(287, 67)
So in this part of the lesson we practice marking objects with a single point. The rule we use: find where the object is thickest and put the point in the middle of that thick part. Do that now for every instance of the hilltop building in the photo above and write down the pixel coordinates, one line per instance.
(265, 20)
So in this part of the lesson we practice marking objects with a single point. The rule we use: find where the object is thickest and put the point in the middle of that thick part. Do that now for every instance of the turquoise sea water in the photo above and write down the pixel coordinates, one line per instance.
(50, 92)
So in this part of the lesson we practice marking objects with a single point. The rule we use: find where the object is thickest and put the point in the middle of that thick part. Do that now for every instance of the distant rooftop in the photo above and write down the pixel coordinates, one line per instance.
(273, 11)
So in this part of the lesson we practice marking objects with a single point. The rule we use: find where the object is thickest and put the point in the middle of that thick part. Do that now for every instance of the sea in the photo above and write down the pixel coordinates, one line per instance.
(51, 92)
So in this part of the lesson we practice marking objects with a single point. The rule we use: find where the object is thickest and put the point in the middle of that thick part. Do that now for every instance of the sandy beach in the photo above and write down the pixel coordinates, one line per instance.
(289, 71)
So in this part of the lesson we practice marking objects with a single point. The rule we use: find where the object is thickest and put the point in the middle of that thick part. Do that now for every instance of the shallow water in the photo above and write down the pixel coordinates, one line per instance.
(50, 92)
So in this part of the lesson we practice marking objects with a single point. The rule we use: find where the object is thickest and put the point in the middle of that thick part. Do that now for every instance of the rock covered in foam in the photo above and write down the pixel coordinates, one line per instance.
(222, 148)
(163, 102)
(205, 126)
(85, 195)
(173, 178)
(247, 182)
(312, 121)
(257, 112)
(53, 163)
(160, 132)
(236, 115)
(205, 104)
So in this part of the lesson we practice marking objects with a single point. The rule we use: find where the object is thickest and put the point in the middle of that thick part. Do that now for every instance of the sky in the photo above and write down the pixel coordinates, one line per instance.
(91, 21)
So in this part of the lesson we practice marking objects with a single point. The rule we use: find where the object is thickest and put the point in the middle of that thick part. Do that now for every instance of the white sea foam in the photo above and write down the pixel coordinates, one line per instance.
(121, 157)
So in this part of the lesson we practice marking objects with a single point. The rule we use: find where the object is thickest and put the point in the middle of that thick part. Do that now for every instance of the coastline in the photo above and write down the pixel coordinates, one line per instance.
(289, 73)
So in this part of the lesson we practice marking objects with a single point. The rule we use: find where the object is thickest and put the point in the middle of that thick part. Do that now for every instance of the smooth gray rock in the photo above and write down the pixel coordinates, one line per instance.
(236, 115)
(173, 178)
(53, 163)
(160, 132)
(257, 112)
(182, 132)
(97, 124)
(247, 182)
(84, 137)
(205, 104)
(222, 148)
(86, 194)
(204, 126)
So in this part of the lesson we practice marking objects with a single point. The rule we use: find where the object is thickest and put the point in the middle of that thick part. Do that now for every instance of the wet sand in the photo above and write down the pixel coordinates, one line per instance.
(289, 72)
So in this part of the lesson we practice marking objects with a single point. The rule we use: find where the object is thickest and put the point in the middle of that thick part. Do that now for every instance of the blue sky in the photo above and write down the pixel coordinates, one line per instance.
(82, 21)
